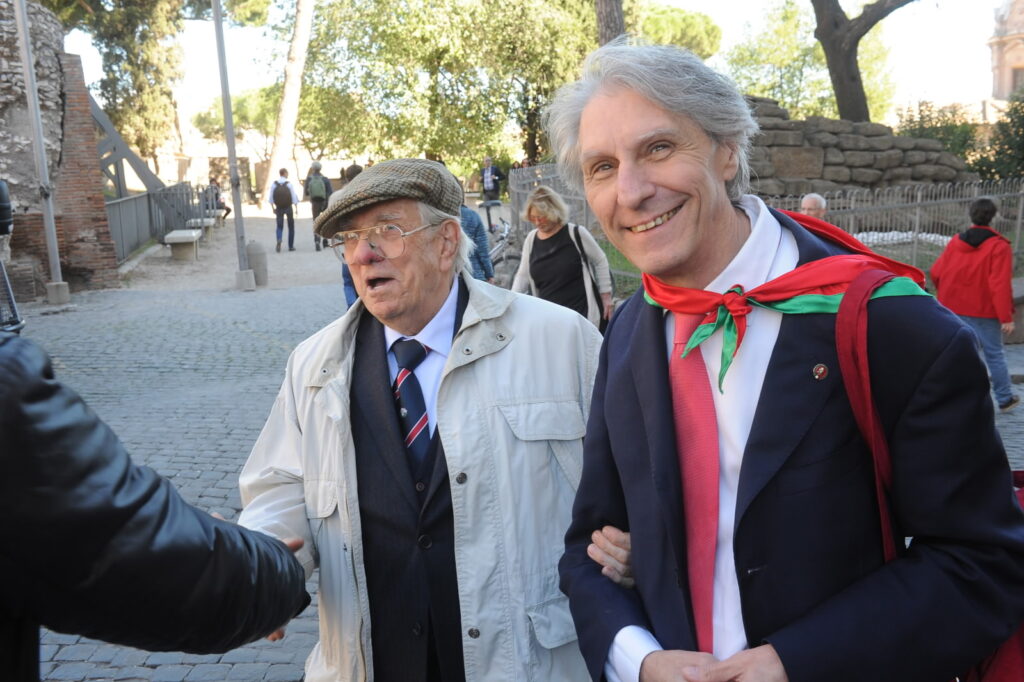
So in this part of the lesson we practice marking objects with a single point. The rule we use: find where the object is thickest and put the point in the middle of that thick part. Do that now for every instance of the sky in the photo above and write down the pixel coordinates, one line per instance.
(938, 50)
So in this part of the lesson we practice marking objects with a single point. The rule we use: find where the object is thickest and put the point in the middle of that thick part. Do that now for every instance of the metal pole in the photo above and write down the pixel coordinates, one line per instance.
(1020, 218)
(917, 229)
(229, 133)
(54, 293)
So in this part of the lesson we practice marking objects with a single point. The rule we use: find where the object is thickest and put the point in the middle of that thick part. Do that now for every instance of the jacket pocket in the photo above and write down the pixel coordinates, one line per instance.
(552, 622)
(561, 423)
(321, 497)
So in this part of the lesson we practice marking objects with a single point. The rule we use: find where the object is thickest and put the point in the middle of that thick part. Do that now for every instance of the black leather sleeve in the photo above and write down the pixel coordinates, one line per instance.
(94, 545)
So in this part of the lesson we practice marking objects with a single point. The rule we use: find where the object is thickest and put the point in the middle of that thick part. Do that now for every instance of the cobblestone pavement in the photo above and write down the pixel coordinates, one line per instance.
(185, 370)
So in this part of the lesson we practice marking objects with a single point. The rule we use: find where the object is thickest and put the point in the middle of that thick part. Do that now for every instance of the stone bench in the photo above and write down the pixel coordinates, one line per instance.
(217, 214)
(202, 224)
(184, 243)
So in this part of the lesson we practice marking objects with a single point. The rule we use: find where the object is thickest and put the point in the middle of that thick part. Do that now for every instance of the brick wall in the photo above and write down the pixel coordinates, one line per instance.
(87, 254)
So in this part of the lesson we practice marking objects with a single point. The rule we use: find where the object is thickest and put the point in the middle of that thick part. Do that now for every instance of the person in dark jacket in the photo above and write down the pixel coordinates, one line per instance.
(96, 546)
(973, 278)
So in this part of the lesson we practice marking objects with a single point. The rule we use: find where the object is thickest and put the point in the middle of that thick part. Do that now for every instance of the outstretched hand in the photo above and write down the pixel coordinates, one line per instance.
(760, 664)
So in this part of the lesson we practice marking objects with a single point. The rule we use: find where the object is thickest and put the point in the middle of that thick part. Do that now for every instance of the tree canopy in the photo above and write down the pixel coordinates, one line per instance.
(783, 61)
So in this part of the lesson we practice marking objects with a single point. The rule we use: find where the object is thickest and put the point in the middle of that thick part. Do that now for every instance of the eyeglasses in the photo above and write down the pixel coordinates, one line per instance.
(387, 241)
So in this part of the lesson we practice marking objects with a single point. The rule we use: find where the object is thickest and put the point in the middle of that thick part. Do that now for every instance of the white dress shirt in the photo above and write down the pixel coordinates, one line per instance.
(437, 339)
(769, 251)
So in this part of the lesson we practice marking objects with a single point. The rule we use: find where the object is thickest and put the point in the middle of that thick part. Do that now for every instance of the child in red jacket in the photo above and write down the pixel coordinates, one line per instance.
(973, 279)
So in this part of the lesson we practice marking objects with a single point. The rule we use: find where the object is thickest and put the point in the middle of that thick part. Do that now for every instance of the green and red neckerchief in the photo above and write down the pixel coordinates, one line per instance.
(814, 287)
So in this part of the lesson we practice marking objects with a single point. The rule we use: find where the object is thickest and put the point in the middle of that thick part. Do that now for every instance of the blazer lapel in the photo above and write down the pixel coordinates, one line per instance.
(373, 402)
(649, 362)
(791, 397)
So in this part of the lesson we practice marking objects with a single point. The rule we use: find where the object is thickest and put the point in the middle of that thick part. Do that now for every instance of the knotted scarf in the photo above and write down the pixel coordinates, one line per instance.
(814, 287)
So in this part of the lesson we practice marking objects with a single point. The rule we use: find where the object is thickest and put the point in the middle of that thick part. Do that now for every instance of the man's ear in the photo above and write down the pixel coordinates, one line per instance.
(451, 233)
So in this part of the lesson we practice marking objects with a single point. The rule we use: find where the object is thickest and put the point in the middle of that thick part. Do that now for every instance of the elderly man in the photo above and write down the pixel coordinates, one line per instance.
(427, 447)
(737, 467)
(814, 205)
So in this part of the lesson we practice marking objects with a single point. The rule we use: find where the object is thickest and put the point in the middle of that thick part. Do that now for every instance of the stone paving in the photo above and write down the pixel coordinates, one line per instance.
(185, 369)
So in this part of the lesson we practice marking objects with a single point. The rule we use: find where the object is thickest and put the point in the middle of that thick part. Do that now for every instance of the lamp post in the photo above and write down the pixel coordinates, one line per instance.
(57, 291)
(244, 278)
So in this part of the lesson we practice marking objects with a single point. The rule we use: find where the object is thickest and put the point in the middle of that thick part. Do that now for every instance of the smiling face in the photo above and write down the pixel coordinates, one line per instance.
(404, 293)
(656, 182)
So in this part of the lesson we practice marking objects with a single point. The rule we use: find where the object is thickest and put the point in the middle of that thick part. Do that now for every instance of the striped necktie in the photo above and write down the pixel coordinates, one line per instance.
(412, 409)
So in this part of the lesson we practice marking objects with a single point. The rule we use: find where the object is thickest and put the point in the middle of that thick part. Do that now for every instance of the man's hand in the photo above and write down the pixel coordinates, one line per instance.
(668, 666)
(760, 664)
(611, 548)
(294, 544)
(1008, 327)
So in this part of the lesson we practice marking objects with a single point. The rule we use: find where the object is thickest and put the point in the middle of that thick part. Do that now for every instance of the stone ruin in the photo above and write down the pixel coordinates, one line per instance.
(87, 253)
(791, 157)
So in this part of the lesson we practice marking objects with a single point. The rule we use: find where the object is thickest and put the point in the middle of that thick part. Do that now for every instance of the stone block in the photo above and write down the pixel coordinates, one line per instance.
(903, 142)
(869, 129)
(796, 186)
(768, 187)
(914, 157)
(945, 174)
(854, 142)
(768, 108)
(928, 145)
(899, 174)
(829, 125)
(880, 144)
(859, 159)
(785, 138)
(927, 171)
(823, 186)
(932, 157)
(952, 160)
(798, 162)
(758, 154)
(772, 123)
(823, 139)
(834, 157)
(836, 173)
(762, 169)
(865, 176)
(967, 176)
(888, 159)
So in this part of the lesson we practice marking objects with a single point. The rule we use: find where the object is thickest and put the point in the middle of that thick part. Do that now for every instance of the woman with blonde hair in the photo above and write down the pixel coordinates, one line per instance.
(562, 262)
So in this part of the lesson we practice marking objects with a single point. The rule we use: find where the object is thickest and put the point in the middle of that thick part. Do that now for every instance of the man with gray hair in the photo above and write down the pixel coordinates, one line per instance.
(427, 447)
(721, 437)
(814, 205)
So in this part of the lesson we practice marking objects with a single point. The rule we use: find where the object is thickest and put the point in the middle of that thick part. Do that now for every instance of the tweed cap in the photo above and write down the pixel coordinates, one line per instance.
(416, 179)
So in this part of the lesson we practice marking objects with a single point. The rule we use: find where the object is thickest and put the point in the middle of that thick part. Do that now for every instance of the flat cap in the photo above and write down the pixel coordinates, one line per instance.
(416, 179)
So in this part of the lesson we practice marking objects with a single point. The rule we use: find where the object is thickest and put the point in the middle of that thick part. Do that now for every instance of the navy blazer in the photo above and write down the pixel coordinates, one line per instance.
(807, 540)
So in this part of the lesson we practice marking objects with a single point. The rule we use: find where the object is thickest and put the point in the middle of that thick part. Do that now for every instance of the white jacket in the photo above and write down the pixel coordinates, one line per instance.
(511, 412)
(598, 270)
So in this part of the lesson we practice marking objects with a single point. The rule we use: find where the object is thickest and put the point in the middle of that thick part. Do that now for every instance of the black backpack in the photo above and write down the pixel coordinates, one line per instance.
(282, 195)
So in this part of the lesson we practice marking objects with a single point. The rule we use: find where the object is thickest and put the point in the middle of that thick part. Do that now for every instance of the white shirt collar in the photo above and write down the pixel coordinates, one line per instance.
(752, 265)
(437, 335)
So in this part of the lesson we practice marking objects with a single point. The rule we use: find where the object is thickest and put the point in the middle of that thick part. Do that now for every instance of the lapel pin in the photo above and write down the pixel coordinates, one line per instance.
(403, 412)
(820, 371)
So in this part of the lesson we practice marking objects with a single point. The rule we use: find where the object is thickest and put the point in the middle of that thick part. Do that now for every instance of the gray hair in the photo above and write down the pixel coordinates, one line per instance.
(816, 198)
(672, 78)
(432, 216)
(547, 202)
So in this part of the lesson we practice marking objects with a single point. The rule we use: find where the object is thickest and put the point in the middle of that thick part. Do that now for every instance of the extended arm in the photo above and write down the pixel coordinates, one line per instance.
(104, 548)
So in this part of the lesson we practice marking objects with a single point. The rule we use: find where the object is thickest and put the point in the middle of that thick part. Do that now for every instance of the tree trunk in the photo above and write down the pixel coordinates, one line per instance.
(840, 38)
(610, 24)
(288, 113)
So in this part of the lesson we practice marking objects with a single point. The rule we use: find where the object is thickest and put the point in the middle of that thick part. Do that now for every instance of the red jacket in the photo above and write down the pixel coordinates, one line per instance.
(973, 276)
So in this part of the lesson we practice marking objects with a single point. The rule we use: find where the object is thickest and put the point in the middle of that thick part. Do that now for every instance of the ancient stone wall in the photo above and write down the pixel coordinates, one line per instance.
(87, 254)
(825, 155)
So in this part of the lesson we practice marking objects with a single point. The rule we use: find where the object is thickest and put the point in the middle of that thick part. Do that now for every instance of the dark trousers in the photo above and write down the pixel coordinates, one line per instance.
(318, 206)
(491, 194)
(281, 213)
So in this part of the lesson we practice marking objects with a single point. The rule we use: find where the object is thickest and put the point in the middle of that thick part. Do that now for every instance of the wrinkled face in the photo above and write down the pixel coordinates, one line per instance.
(656, 182)
(404, 293)
(810, 207)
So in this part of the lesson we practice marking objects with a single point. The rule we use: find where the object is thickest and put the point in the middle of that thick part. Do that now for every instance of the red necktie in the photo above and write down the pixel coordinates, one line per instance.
(697, 448)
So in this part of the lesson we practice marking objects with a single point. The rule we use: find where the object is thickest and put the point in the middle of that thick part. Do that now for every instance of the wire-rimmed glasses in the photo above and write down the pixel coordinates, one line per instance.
(387, 241)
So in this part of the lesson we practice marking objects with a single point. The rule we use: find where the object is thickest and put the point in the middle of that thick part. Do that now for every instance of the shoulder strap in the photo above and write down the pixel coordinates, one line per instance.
(852, 346)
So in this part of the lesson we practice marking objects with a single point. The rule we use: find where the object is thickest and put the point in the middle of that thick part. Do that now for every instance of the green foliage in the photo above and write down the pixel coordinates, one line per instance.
(253, 114)
(949, 124)
(669, 25)
(785, 62)
(1004, 156)
(241, 12)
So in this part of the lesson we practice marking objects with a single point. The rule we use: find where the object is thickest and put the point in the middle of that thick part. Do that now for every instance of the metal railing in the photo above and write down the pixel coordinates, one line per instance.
(136, 220)
(910, 223)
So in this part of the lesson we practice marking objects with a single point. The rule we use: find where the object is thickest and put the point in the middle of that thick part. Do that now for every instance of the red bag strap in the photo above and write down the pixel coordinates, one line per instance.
(852, 346)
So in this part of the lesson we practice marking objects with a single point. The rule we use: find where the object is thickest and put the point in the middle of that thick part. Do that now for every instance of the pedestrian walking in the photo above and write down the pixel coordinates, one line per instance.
(317, 189)
(283, 198)
(974, 278)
